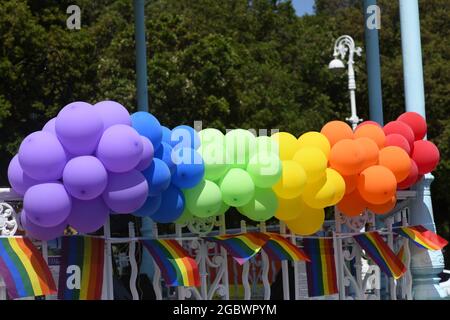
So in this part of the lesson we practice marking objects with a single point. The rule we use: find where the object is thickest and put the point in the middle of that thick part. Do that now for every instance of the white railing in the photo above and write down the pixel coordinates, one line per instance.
(357, 277)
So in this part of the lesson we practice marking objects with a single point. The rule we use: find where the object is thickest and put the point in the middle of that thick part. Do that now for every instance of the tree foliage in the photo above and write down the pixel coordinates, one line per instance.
(234, 63)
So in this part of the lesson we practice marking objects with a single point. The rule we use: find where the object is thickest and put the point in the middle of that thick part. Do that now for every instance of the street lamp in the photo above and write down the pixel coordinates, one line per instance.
(342, 46)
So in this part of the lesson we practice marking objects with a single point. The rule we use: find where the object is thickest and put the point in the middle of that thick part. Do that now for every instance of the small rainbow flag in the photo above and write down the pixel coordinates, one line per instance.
(423, 238)
(81, 270)
(321, 270)
(242, 247)
(23, 269)
(279, 248)
(177, 267)
(381, 254)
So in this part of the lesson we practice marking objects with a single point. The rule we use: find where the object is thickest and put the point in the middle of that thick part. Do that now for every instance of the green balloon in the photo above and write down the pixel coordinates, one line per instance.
(223, 208)
(211, 135)
(204, 200)
(215, 160)
(237, 187)
(185, 217)
(263, 205)
(240, 145)
(265, 169)
(267, 144)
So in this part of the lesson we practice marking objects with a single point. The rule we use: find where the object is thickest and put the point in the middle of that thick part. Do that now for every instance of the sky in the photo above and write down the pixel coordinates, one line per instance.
(303, 6)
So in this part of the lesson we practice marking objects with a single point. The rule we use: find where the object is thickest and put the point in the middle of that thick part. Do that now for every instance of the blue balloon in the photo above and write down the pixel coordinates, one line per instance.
(148, 126)
(166, 134)
(189, 168)
(172, 206)
(158, 177)
(164, 153)
(150, 206)
(185, 137)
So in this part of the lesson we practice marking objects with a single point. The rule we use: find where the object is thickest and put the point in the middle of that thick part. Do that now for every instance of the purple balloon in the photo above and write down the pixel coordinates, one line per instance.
(112, 113)
(79, 128)
(41, 233)
(120, 148)
(50, 126)
(88, 216)
(147, 154)
(126, 192)
(85, 177)
(19, 180)
(42, 157)
(47, 204)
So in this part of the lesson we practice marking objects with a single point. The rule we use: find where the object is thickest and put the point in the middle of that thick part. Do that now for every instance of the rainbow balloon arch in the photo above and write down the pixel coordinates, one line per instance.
(92, 161)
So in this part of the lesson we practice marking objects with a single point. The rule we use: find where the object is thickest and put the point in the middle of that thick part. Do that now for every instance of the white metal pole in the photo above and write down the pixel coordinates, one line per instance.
(108, 261)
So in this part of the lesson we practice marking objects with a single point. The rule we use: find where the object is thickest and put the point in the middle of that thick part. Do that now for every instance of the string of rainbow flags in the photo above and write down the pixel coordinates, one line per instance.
(94, 160)
(26, 273)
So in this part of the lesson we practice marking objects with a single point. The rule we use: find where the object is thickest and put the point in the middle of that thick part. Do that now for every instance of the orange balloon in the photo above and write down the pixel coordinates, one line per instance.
(383, 208)
(336, 131)
(373, 132)
(350, 183)
(352, 204)
(347, 157)
(371, 151)
(377, 184)
(397, 160)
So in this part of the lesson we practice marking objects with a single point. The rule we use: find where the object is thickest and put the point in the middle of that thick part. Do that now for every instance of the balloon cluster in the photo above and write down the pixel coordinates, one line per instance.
(375, 161)
(176, 167)
(240, 170)
(84, 163)
(94, 159)
(307, 185)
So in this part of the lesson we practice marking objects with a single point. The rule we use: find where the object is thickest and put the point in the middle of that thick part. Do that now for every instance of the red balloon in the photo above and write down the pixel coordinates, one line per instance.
(411, 179)
(426, 155)
(397, 140)
(402, 129)
(368, 122)
(416, 122)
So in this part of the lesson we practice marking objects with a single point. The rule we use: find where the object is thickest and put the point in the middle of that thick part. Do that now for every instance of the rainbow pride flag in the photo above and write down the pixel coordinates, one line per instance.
(423, 238)
(81, 269)
(177, 267)
(242, 247)
(279, 248)
(321, 269)
(381, 254)
(23, 269)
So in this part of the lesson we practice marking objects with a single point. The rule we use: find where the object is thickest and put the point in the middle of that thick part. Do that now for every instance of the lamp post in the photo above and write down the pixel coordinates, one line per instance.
(345, 45)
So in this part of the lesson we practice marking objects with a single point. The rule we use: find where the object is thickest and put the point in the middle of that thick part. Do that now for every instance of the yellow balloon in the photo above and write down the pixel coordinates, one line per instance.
(287, 144)
(288, 209)
(314, 161)
(309, 221)
(292, 182)
(315, 139)
(320, 194)
(339, 185)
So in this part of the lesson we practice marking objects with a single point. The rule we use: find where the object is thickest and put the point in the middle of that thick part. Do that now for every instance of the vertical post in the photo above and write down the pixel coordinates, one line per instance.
(285, 268)
(147, 266)
(108, 261)
(371, 26)
(425, 265)
(141, 55)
